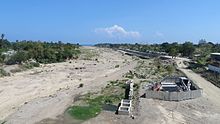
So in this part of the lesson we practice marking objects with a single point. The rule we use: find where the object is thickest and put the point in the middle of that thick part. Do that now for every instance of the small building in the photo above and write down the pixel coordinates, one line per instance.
(214, 64)
(173, 89)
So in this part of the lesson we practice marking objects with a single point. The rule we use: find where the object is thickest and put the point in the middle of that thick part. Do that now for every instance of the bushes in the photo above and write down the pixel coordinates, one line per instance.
(30, 65)
(35, 64)
(42, 52)
(116, 66)
(81, 85)
(213, 77)
(198, 68)
(136, 86)
(170, 69)
(129, 75)
(18, 58)
(2, 58)
(3, 73)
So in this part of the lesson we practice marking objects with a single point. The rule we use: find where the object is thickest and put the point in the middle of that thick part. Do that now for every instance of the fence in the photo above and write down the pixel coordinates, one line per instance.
(174, 96)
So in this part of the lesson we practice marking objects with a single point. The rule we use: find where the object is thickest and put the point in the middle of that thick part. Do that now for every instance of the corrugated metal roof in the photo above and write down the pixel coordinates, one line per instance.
(215, 54)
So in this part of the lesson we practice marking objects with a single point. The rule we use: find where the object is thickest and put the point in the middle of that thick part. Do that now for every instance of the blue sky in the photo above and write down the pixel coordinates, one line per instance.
(92, 21)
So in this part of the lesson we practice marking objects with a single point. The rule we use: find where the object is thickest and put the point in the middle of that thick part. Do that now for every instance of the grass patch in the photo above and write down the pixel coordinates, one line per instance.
(92, 103)
(84, 112)
(93, 108)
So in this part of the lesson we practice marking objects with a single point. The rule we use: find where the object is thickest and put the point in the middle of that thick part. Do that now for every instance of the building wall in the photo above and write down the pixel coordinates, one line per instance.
(214, 68)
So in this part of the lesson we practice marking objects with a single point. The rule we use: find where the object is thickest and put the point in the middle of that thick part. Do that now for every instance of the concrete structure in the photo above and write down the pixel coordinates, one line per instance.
(131, 89)
(215, 62)
(173, 89)
(126, 104)
(174, 96)
(125, 107)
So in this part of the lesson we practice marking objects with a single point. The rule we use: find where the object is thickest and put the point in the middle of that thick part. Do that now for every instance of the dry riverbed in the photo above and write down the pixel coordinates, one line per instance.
(41, 95)
(46, 92)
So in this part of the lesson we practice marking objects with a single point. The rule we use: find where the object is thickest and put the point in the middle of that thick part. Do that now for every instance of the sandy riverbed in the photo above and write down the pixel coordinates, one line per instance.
(45, 92)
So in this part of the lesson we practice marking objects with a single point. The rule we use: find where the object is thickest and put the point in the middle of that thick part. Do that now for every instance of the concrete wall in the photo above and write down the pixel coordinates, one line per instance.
(174, 96)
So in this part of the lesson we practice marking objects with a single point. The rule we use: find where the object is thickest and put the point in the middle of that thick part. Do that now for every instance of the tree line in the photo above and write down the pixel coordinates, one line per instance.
(42, 52)
(186, 49)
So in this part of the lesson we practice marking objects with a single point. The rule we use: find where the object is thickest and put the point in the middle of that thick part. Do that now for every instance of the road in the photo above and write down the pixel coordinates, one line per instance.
(210, 91)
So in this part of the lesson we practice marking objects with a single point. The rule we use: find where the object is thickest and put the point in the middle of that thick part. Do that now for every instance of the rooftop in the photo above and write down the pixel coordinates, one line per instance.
(183, 78)
(215, 54)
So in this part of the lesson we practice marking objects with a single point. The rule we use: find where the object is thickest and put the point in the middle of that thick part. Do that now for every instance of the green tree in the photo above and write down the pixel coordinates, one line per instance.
(2, 38)
(173, 52)
(187, 49)
(2, 58)
(19, 57)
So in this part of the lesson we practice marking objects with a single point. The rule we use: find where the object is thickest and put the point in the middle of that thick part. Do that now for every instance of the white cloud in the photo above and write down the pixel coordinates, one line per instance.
(159, 34)
(118, 31)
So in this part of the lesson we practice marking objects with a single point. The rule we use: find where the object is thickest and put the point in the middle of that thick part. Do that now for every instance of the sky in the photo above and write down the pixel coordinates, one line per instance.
(115, 21)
